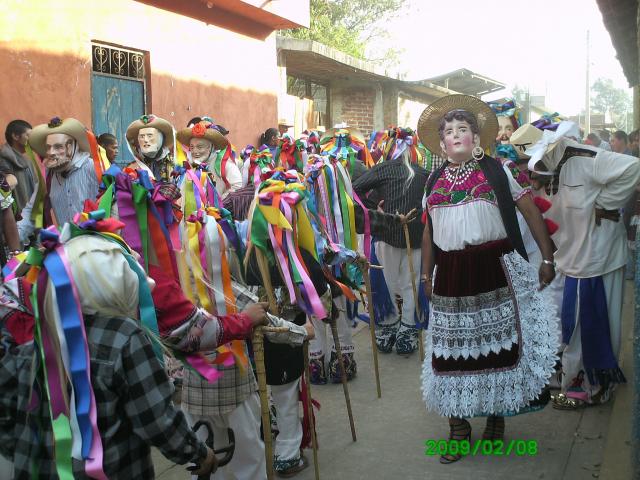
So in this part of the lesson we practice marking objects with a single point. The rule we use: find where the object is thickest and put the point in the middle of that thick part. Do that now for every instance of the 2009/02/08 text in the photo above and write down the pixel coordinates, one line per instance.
(481, 447)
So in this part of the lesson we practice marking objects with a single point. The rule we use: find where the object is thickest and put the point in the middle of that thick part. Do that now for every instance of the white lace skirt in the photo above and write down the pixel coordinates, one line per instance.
(491, 342)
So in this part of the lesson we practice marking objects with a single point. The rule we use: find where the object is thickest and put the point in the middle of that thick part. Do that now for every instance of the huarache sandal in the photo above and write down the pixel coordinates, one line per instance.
(562, 402)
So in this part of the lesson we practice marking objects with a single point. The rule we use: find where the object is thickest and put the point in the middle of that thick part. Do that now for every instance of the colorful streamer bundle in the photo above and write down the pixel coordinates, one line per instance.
(291, 154)
(332, 206)
(345, 146)
(205, 274)
(378, 145)
(507, 107)
(548, 121)
(390, 144)
(139, 207)
(257, 162)
(228, 154)
(61, 344)
(197, 189)
(281, 228)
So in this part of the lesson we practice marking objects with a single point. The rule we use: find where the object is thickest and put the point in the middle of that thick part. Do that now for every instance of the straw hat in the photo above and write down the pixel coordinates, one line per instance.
(525, 137)
(68, 126)
(429, 121)
(206, 130)
(150, 121)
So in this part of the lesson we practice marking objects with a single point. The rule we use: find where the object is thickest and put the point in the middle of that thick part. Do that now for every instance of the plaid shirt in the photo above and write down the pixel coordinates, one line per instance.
(199, 397)
(133, 398)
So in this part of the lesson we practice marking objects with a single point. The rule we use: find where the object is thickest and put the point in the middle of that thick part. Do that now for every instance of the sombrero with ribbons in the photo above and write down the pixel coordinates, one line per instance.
(206, 130)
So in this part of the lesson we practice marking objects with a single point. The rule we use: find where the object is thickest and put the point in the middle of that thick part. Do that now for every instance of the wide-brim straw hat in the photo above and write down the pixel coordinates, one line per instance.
(525, 137)
(204, 130)
(150, 121)
(68, 126)
(429, 121)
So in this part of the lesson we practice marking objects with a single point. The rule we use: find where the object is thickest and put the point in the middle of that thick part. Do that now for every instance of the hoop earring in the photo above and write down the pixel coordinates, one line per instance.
(477, 153)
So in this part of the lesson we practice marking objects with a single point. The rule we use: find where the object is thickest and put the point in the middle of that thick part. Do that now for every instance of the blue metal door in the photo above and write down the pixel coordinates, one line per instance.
(116, 102)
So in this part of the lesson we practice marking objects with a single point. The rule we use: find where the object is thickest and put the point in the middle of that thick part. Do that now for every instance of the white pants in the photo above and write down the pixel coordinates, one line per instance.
(572, 354)
(398, 279)
(555, 292)
(286, 398)
(248, 459)
(323, 343)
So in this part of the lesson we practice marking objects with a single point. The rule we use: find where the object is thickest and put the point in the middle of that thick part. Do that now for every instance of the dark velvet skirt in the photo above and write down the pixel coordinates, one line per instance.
(490, 343)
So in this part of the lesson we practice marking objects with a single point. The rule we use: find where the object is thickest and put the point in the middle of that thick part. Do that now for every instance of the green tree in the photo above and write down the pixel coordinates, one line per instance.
(611, 100)
(349, 25)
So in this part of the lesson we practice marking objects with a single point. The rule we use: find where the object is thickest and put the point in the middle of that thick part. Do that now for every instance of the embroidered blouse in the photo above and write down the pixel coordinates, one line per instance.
(464, 208)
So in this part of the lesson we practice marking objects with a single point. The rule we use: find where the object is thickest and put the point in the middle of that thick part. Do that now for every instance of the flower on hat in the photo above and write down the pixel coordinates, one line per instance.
(54, 122)
(147, 119)
(199, 130)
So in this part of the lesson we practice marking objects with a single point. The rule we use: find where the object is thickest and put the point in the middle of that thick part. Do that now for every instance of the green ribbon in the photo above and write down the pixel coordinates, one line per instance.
(139, 196)
(61, 427)
(260, 234)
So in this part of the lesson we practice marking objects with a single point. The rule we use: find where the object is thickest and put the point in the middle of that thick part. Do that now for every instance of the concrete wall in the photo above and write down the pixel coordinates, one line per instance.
(409, 110)
(195, 69)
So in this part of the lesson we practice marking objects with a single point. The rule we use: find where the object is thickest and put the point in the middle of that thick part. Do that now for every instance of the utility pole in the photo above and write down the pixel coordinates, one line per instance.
(587, 96)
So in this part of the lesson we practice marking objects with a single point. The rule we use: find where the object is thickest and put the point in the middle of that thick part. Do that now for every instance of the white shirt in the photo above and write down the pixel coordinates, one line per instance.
(604, 181)
(471, 222)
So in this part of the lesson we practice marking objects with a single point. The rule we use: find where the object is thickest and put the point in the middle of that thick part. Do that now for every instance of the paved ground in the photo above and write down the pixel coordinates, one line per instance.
(392, 431)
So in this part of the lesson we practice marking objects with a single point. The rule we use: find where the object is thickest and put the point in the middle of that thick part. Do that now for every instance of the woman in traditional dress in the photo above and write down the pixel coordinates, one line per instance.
(491, 343)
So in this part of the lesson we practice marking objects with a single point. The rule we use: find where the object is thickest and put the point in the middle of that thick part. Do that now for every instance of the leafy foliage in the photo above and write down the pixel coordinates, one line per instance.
(607, 98)
(349, 25)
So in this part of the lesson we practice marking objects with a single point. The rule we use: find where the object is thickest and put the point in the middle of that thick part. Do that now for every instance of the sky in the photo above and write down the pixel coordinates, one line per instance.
(540, 45)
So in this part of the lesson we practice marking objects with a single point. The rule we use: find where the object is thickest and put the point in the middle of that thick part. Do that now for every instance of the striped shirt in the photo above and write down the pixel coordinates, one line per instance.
(70, 189)
(388, 181)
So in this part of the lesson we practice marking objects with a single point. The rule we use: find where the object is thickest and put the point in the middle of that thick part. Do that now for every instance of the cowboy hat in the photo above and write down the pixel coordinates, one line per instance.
(150, 121)
(206, 130)
(429, 121)
(68, 126)
(525, 137)
(284, 123)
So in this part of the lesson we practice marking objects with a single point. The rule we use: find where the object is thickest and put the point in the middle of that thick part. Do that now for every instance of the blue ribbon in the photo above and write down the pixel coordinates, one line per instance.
(72, 325)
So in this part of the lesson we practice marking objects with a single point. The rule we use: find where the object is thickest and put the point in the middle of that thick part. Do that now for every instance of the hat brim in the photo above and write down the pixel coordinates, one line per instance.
(159, 123)
(69, 126)
(429, 121)
(219, 141)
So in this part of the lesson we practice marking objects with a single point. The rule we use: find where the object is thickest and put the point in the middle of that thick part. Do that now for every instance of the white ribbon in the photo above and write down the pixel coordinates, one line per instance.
(549, 137)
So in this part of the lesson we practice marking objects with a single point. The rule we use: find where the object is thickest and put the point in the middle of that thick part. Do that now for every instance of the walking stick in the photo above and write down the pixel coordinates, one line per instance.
(343, 376)
(413, 287)
(258, 353)
(312, 422)
(364, 268)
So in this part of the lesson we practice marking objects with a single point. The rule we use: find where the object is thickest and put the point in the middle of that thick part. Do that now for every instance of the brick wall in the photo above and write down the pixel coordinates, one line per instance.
(357, 108)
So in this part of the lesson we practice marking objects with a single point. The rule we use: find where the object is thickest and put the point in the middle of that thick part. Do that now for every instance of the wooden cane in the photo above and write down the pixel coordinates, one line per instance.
(345, 387)
(413, 286)
(312, 423)
(258, 351)
(364, 267)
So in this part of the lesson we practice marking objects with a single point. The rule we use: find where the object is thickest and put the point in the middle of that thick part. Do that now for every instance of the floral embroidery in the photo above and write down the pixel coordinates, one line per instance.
(521, 177)
(447, 191)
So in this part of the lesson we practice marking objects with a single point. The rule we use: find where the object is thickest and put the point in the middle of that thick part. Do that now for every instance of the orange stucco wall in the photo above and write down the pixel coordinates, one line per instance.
(45, 54)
